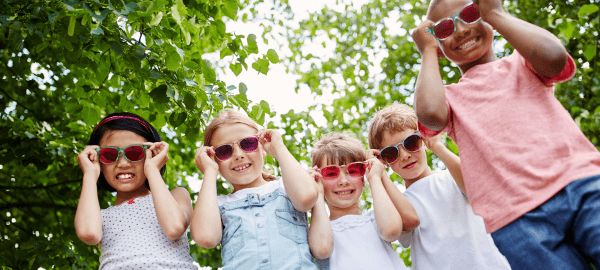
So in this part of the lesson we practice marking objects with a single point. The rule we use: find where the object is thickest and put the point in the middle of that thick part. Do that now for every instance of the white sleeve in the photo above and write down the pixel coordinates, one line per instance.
(406, 238)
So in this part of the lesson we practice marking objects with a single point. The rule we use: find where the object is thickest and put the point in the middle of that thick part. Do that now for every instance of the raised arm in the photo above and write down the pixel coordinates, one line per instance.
(299, 185)
(320, 235)
(206, 226)
(410, 219)
(542, 49)
(88, 220)
(389, 222)
(173, 208)
(430, 99)
(451, 160)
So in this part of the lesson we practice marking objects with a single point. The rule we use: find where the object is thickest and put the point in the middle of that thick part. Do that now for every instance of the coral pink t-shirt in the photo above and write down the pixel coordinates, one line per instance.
(518, 145)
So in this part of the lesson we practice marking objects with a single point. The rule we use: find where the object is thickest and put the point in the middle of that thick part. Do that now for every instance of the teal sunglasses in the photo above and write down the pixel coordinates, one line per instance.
(133, 153)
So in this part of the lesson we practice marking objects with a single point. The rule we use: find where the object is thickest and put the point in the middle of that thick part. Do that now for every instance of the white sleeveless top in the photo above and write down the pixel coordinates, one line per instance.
(133, 239)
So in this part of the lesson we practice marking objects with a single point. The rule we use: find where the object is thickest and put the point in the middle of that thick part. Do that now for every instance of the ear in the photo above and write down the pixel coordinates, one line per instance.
(440, 54)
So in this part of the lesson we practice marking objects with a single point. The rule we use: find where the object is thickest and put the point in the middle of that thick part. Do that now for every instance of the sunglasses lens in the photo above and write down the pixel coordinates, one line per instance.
(444, 29)
(412, 143)
(330, 172)
(224, 152)
(469, 14)
(389, 154)
(249, 144)
(108, 155)
(357, 169)
(134, 153)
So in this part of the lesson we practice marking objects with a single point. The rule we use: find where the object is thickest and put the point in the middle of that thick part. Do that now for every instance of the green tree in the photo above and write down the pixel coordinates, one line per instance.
(65, 65)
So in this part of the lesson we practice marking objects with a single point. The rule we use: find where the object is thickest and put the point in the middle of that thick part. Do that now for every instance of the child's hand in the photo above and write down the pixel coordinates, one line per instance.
(426, 42)
(374, 169)
(434, 143)
(205, 159)
(318, 178)
(88, 161)
(488, 7)
(271, 140)
(156, 155)
(374, 153)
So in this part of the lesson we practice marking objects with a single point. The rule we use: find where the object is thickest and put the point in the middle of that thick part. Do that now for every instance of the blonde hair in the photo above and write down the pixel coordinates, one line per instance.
(337, 148)
(396, 117)
(229, 117)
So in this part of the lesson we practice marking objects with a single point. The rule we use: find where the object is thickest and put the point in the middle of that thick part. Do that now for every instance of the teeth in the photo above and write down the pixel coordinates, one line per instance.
(468, 44)
(344, 192)
(241, 168)
(125, 176)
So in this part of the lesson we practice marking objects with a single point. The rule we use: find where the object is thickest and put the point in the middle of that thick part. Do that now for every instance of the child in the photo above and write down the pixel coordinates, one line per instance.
(263, 223)
(450, 235)
(359, 241)
(143, 229)
(529, 170)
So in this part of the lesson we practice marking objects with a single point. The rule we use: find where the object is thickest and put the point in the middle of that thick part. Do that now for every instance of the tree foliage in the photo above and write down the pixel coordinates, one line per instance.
(66, 64)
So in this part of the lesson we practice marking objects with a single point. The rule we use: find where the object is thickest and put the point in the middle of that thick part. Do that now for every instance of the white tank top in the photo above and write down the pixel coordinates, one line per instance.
(133, 239)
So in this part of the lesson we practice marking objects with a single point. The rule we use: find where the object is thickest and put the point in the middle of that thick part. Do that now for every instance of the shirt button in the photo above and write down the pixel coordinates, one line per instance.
(257, 215)
(260, 225)
(263, 242)
(265, 260)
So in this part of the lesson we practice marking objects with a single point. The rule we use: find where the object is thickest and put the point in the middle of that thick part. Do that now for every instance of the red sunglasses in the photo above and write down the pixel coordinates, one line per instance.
(444, 28)
(225, 151)
(133, 153)
(356, 169)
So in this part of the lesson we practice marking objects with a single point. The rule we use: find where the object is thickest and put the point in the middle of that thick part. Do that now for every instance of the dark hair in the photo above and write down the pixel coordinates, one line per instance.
(124, 121)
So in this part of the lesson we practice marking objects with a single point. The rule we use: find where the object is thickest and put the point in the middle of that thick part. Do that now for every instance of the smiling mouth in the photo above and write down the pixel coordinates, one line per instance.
(243, 167)
(343, 193)
(409, 164)
(469, 44)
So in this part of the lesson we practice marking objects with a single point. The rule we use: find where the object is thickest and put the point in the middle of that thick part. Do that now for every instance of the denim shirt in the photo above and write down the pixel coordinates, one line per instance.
(264, 231)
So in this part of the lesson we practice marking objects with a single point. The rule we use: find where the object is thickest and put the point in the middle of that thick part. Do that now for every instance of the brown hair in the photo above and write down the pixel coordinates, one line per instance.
(228, 117)
(396, 117)
(337, 148)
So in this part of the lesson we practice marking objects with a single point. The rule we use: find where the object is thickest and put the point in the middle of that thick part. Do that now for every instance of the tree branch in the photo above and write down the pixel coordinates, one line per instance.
(13, 99)
(29, 205)
(39, 186)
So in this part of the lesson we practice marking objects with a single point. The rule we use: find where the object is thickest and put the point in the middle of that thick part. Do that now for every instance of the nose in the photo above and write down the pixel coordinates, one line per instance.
(122, 161)
(461, 29)
(403, 154)
(238, 153)
(344, 178)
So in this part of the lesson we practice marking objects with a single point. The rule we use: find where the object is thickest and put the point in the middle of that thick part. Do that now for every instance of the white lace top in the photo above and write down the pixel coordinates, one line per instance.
(357, 245)
(133, 239)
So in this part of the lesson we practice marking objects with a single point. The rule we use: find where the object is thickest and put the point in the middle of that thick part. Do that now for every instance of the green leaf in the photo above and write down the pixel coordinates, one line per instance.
(190, 101)
(236, 68)
(144, 100)
(52, 17)
(265, 106)
(116, 48)
(90, 116)
(587, 9)
(159, 94)
(273, 57)
(243, 88)
(252, 46)
(209, 73)
(72, 22)
(99, 16)
(97, 31)
(590, 52)
(176, 119)
(231, 8)
(156, 19)
(173, 61)
(175, 14)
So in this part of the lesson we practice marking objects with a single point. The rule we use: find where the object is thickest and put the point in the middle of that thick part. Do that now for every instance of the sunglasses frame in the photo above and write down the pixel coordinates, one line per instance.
(121, 150)
(398, 149)
(453, 18)
(320, 170)
(238, 143)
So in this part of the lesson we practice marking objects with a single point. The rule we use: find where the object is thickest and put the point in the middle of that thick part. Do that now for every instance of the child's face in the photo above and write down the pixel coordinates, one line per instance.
(123, 175)
(470, 42)
(411, 166)
(344, 191)
(242, 169)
